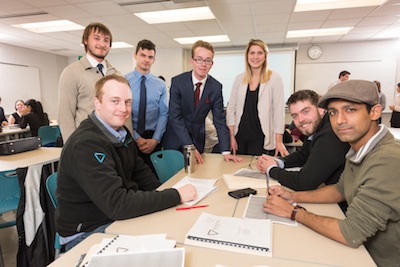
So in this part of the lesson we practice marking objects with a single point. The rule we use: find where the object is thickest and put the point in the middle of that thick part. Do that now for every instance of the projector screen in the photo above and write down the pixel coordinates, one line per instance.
(227, 65)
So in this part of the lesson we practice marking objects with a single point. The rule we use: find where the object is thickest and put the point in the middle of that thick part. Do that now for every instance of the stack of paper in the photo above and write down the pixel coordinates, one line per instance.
(254, 210)
(203, 187)
(247, 178)
(125, 250)
(244, 235)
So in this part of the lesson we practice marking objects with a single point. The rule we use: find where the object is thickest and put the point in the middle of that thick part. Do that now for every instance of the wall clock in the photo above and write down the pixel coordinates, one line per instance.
(314, 52)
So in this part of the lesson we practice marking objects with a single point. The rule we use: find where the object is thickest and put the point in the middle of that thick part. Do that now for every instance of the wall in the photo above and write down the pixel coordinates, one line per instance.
(50, 67)
(170, 62)
(372, 54)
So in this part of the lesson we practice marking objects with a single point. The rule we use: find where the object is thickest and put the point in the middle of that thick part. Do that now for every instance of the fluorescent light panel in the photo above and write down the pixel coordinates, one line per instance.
(210, 39)
(50, 26)
(176, 15)
(318, 32)
(121, 45)
(312, 5)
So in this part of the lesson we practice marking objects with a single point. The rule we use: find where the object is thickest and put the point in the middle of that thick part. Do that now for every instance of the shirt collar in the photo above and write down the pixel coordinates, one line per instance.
(195, 80)
(139, 75)
(94, 62)
(120, 134)
(357, 157)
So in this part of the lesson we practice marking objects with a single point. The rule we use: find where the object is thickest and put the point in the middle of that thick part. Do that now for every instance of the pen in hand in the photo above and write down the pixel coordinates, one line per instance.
(192, 207)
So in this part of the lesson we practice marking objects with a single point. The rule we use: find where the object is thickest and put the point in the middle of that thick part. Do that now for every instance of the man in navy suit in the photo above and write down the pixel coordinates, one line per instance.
(193, 95)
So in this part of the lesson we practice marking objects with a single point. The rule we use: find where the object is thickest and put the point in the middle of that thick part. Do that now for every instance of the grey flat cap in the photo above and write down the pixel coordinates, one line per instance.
(358, 91)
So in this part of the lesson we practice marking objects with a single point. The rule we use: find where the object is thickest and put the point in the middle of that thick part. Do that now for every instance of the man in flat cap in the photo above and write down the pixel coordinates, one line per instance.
(369, 183)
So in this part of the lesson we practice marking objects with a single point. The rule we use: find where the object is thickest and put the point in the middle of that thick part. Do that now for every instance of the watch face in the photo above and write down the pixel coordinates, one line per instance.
(314, 52)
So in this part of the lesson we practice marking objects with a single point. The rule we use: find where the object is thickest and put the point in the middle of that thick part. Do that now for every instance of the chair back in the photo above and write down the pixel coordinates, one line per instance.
(51, 186)
(9, 194)
(167, 163)
(49, 135)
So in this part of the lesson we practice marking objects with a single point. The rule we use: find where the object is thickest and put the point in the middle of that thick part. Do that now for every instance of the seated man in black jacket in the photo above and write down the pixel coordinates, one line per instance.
(101, 177)
(322, 155)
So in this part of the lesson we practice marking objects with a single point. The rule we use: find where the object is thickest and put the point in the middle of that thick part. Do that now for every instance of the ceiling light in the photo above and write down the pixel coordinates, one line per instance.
(210, 39)
(121, 45)
(312, 5)
(318, 32)
(176, 15)
(50, 26)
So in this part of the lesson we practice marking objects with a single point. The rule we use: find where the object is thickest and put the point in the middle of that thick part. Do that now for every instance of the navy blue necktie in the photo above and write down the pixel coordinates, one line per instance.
(141, 126)
(100, 67)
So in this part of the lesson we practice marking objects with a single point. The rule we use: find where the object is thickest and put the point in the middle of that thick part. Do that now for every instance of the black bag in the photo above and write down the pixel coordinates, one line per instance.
(20, 145)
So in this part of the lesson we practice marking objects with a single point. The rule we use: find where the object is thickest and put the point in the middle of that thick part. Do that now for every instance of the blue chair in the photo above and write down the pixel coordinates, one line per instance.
(9, 194)
(49, 135)
(166, 163)
(51, 186)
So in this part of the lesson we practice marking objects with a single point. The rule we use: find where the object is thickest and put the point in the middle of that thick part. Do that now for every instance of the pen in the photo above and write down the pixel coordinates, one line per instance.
(192, 207)
(267, 184)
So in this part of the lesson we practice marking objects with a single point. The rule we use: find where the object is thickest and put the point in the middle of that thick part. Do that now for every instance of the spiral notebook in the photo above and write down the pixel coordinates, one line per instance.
(252, 236)
(124, 250)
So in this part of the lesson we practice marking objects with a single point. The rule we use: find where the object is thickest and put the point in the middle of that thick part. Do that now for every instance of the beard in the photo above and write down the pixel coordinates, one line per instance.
(310, 130)
(100, 55)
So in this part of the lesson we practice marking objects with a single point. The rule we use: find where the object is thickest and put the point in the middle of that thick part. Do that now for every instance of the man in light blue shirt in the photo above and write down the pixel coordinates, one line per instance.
(148, 136)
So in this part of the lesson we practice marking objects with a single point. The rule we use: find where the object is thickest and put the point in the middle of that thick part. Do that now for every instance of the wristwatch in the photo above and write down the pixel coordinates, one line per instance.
(294, 212)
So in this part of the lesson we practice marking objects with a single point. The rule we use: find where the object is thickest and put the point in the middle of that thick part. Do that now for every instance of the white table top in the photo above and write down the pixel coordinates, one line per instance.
(395, 132)
(41, 155)
(292, 245)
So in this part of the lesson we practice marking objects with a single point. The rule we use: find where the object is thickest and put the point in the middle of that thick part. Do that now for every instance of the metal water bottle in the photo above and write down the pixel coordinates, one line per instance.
(189, 153)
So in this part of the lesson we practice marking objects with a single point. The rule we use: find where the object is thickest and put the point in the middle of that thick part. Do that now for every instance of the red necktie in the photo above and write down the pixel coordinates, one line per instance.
(197, 94)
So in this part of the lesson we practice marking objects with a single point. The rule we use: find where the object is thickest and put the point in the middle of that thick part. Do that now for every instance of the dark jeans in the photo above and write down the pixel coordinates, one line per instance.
(80, 238)
(146, 157)
(254, 148)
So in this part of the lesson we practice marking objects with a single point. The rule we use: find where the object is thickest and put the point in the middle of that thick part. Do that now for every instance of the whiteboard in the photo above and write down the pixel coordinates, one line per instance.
(318, 76)
(228, 65)
(18, 82)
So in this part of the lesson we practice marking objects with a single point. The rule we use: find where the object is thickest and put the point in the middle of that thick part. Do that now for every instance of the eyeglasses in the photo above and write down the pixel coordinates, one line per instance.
(200, 61)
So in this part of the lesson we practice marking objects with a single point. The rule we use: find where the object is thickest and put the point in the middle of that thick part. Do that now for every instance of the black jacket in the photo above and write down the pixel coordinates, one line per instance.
(101, 180)
(322, 160)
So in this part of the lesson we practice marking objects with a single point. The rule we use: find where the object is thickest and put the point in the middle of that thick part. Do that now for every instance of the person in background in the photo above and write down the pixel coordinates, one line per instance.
(3, 119)
(256, 109)
(193, 95)
(211, 141)
(108, 180)
(344, 75)
(33, 116)
(16, 117)
(149, 129)
(77, 81)
(395, 119)
(322, 155)
(369, 182)
(382, 99)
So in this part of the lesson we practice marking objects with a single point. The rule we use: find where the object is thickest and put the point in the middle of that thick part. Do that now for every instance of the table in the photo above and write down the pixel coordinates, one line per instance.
(298, 244)
(43, 155)
(12, 132)
(71, 257)
(194, 256)
(35, 211)
(166, 221)
(395, 132)
(292, 246)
